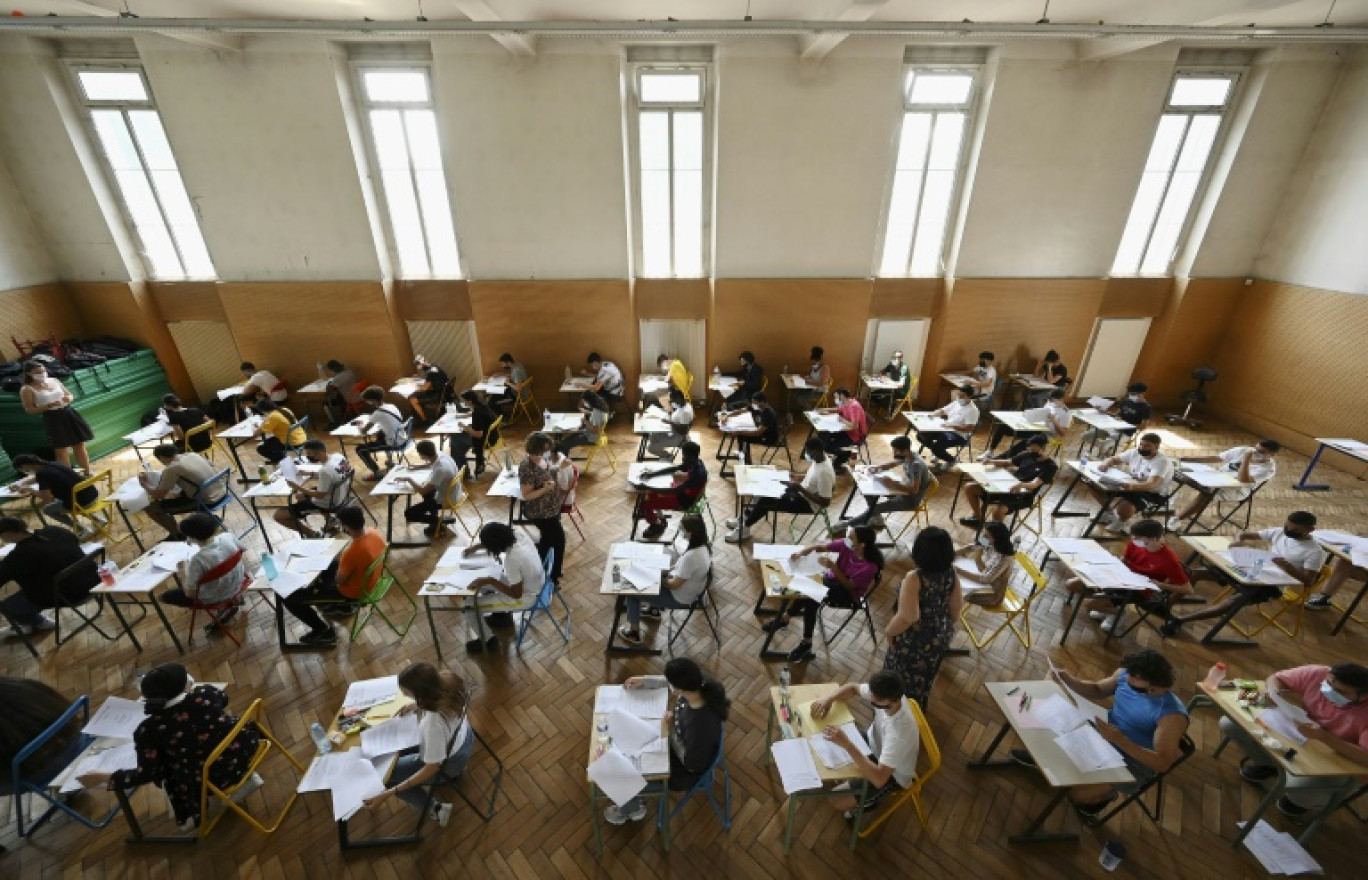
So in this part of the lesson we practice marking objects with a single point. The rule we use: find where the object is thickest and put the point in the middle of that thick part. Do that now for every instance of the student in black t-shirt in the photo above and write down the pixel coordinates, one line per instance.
(1033, 469)
(766, 430)
(427, 400)
(34, 564)
(184, 419)
(752, 377)
(690, 481)
(52, 483)
(472, 437)
(1051, 370)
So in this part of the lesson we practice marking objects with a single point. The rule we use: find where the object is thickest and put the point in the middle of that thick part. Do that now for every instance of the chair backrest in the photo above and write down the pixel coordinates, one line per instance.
(404, 434)
(930, 490)
(188, 441)
(82, 706)
(1038, 581)
(525, 393)
(68, 584)
(106, 477)
(929, 758)
(492, 432)
(548, 589)
(205, 490)
(373, 593)
(301, 425)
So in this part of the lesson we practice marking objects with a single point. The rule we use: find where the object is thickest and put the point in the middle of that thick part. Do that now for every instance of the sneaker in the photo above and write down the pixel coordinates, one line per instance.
(42, 624)
(631, 637)
(651, 611)
(731, 522)
(1098, 615)
(246, 788)
(1318, 602)
(839, 528)
(1174, 524)
(1170, 628)
(1022, 757)
(802, 652)
(1109, 624)
(1293, 811)
(1119, 526)
(475, 646)
(1090, 813)
(972, 522)
(323, 637)
(615, 815)
(653, 531)
(429, 531)
(502, 619)
(736, 536)
(775, 625)
(339, 609)
(876, 521)
(441, 813)
(492, 645)
(1256, 773)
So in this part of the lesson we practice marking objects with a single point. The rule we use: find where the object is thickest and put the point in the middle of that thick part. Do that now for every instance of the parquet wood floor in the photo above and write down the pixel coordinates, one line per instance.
(534, 707)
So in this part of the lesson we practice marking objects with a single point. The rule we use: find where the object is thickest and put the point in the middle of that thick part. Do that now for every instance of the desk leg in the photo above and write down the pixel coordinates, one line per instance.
(166, 623)
(985, 760)
(256, 512)
(594, 816)
(1330, 807)
(765, 652)
(1059, 510)
(1275, 791)
(1033, 834)
(641, 448)
(129, 525)
(769, 732)
(432, 625)
(237, 459)
(123, 621)
(954, 502)
(1349, 612)
(1304, 486)
(1078, 606)
(1210, 637)
(788, 824)
(859, 810)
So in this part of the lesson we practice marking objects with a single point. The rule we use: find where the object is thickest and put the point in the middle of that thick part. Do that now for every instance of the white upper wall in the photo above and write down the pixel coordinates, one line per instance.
(804, 159)
(24, 261)
(1317, 237)
(534, 159)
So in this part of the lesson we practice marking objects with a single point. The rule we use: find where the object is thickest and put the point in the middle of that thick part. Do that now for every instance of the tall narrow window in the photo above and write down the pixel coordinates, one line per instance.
(144, 171)
(408, 156)
(671, 130)
(937, 106)
(1178, 160)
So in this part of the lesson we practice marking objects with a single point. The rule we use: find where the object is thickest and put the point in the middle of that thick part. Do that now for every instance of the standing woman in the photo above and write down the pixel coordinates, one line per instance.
(66, 428)
(542, 497)
(444, 737)
(928, 603)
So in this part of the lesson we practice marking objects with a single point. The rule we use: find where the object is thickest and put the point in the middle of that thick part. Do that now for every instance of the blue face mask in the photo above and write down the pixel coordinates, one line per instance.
(850, 543)
(1333, 695)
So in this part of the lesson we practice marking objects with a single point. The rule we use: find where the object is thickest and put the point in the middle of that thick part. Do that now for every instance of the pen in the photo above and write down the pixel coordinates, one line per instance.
(1014, 690)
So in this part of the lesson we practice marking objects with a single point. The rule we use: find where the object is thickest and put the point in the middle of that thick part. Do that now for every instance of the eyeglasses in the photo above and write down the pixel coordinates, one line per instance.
(889, 706)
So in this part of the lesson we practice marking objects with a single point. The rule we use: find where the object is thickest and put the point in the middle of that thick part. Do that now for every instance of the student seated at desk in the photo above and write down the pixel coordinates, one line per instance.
(382, 429)
(31, 707)
(472, 436)
(1341, 570)
(961, 417)
(1132, 408)
(341, 583)
(184, 724)
(427, 399)
(1050, 369)
(524, 576)
(51, 483)
(340, 392)
(751, 378)
(594, 412)
(987, 565)
(1251, 465)
(440, 486)
(680, 586)
(983, 380)
(893, 735)
(692, 724)
(810, 496)
(608, 381)
(897, 371)
(1145, 723)
(261, 384)
(849, 577)
(680, 415)
(1336, 700)
(1033, 469)
(853, 420)
(33, 565)
(1151, 476)
(334, 473)
(677, 376)
(765, 432)
(689, 483)
(184, 419)
(1293, 550)
(515, 379)
(1146, 554)
(176, 489)
(213, 575)
(1057, 422)
(818, 379)
(442, 701)
(908, 492)
(278, 435)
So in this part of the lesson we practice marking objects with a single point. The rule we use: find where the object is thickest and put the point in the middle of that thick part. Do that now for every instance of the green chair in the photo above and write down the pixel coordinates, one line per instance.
(369, 604)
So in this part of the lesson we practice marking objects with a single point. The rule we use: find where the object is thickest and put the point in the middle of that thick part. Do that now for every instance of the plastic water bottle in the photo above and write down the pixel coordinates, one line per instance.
(717, 371)
(1256, 568)
(784, 370)
(784, 680)
(319, 364)
(617, 575)
(568, 374)
(320, 738)
(268, 565)
(546, 424)
(1215, 675)
(603, 739)
(264, 473)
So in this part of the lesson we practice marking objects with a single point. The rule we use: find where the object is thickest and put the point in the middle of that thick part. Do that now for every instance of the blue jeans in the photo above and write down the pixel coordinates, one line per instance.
(410, 762)
(665, 600)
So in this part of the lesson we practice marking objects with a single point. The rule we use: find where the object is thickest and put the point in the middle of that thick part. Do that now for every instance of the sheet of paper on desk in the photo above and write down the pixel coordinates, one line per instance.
(641, 702)
(287, 582)
(635, 550)
(1281, 724)
(116, 718)
(171, 554)
(827, 423)
(641, 575)
(1057, 713)
(662, 482)
(1278, 851)
(1214, 479)
(808, 587)
(357, 781)
(616, 777)
(1088, 750)
(1085, 550)
(455, 557)
(767, 488)
(1294, 712)
(307, 564)
(776, 552)
(797, 770)
(1114, 577)
(1100, 403)
(1036, 416)
(1347, 443)
(464, 577)
(740, 422)
(651, 425)
(655, 412)
(808, 565)
(123, 757)
(394, 735)
(838, 714)
(630, 734)
(371, 692)
(140, 580)
(655, 758)
(832, 755)
(1340, 539)
(310, 547)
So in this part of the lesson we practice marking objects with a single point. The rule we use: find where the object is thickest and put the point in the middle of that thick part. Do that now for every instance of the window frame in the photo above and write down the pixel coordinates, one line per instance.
(87, 106)
(970, 110)
(1235, 73)
(634, 107)
(359, 68)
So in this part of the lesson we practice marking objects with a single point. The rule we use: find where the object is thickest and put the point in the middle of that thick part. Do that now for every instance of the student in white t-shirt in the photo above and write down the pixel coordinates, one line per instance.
(516, 590)
(961, 417)
(445, 740)
(893, 737)
(440, 486)
(680, 586)
(1251, 465)
(1149, 475)
(328, 495)
(382, 429)
(983, 378)
(806, 497)
(681, 416)
(262, 383)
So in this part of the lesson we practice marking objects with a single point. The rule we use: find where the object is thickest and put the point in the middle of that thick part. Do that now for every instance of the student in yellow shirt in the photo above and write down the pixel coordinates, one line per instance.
(276, 436)
(676, 376)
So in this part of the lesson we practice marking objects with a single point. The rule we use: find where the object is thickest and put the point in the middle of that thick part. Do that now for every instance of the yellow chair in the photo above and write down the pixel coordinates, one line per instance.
(928, 763)
(1291, 602)
(601, 444)
(492, 447)
(453, 508)
(922, 511)
(1013, 606)
(225, 795)
(1023, 517)
(1053, 447)
(823, 399)
(905, 402)
(100, 512)
(526, 404)
(195, 433)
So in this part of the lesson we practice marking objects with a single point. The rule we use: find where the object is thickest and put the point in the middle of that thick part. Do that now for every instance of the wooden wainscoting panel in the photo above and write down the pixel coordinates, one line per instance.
(433, 300)
(188, 300)
(210, 355)
(451, 345)
(671, 298)
(31, 313)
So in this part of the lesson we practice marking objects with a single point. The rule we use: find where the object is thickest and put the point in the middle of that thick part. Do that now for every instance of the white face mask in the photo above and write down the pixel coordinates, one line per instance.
(807, 456)
(1142, 544)
(850, 542)
(1134, 396)
(546, 457)
(1333, 695)
(984, 542)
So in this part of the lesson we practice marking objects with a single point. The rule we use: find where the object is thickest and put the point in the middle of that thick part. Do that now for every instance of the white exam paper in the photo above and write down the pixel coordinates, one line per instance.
(797, 770)
(117, 718)
(124, 757)
(630, 734)
(1088, 750)
(394, 735)
(357, 781)
(371, 692)
(616, 776)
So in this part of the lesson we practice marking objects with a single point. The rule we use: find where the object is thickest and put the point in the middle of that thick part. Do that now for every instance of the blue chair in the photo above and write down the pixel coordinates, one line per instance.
(705, 785)
(38, 786)
(545, 598)
(293, 449)
(215, 508)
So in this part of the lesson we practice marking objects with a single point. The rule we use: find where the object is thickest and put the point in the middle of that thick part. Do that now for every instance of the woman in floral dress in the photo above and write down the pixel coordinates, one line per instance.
(929, 601)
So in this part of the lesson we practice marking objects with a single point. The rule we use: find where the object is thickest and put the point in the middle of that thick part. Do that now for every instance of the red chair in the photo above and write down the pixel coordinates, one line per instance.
(215, 573)
(354, 408)
(570, 507)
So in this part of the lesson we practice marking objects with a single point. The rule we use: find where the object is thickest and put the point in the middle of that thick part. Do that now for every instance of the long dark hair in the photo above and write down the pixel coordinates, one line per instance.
(686, 675)
(697, 531)
(30, 708)
(1001, 537)
(435, 690)
(933, 551)
(869, 539)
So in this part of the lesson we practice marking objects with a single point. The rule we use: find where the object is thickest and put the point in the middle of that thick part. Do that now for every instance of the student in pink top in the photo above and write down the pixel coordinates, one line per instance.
(854, 423)
(1336, 699)
(849, 577)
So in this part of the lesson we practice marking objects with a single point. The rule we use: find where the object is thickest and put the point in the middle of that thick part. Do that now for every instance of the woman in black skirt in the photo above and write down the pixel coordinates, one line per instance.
(66, 429)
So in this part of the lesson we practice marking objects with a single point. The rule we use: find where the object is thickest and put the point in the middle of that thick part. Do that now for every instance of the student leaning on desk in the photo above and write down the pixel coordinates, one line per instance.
(1146, 554)
(692, 724)
(1150, 473)
(1145, 723)
(1251, 465)
(893, 735)
(517, 590)
(33, 565)
(1335, 698)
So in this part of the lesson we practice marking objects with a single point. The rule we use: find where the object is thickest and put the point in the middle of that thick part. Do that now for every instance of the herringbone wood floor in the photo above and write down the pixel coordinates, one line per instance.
(535, 708)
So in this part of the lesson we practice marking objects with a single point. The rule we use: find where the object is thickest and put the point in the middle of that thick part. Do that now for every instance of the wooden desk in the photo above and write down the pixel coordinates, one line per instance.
(243, 432)
(747, 485)
(1088, 475)
(140, 578)
(1051, 761)
(262, 584)
(993, 481)
(646, 427)
(429, 591)
(149, 437)
(595, 796)
(1312, 759)
(507, 485)
(1355, 449)
(394, 486)
(1209, 548)
(620, 592)
(1209, 480)
(1101, 423)
(379, 712)
(800, 698)
(1071, 553)
(731, 428)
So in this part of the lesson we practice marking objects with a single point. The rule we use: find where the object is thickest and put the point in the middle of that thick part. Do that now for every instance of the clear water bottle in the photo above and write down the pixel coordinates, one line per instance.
(1256, 569)
(603, 740)
(783, 371)
(717, 371)
(268, 565)
(546, 420)
(319, 364)
(1215, 675)
(784, 680)
(568, 374)
(320, 738)
(617, 575)
(264, 473)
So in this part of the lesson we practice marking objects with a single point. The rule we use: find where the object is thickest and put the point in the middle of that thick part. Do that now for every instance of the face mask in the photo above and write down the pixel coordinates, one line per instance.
(850, 543)
(1296, 536)
(984, 542)
(1147, 453)
(1134, 397)
(38, 377)
(808, 457)
(1141, 544)
(1333, 695)
(546, 457)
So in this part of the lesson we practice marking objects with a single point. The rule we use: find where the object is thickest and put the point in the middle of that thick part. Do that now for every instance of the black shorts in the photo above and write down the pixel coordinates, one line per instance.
(1143, 499)
(179, 505)
(1013, 501)
(302, 508)
(1261, 593)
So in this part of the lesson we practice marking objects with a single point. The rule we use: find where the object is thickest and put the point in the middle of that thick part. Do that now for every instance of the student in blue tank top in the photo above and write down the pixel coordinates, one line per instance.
(1147, 723)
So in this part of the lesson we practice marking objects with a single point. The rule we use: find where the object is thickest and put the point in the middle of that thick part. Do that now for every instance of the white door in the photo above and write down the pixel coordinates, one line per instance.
(883, 337)
(1112, 353)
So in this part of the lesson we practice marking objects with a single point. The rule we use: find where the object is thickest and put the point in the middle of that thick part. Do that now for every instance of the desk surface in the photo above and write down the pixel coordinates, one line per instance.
(1101, 420)
(644, 424)
(879, 382)
(1355, 448)
(1017, 421)
(243, 430)
(1210, 547)
(800, 698)
(995, 480)
(1312, 758)
(626, 587)
(593, 740)
(1054, 763)
(745, 482)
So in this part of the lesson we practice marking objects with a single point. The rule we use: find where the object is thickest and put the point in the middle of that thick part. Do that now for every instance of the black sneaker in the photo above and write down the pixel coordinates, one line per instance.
(1091, 813)
(653, 532)
(324, 637)
(475, 646)
(1256, 773)
(339, 609)
(429, 531)
(1022, 757)
(651, 611)
(502, 619)
(1297, 814)
(775, 625)
(1318, 602)
(972, 521)
(802, 653)
(1170, 628)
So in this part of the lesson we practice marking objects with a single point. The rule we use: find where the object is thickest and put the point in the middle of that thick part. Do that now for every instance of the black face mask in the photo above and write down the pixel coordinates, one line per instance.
(1146, 453)
(1296, 536)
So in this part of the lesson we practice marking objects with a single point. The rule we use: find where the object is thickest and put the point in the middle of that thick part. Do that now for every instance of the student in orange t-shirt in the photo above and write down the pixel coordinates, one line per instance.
(341, 581)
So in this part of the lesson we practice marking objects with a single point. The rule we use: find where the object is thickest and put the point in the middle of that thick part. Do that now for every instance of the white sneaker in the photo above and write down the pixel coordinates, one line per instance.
(1108, 623)
(736, 536)
(1098, 615)
(1174, 524)
(245, 790)
(1119, 526)
(614, 815)
(441, 813)
(731, 522)
(985, 456)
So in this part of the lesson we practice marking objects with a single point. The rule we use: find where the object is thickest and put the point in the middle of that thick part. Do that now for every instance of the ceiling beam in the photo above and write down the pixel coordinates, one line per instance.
(221, 42)
(479, 10)
(1111, 47)
(815, 47)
